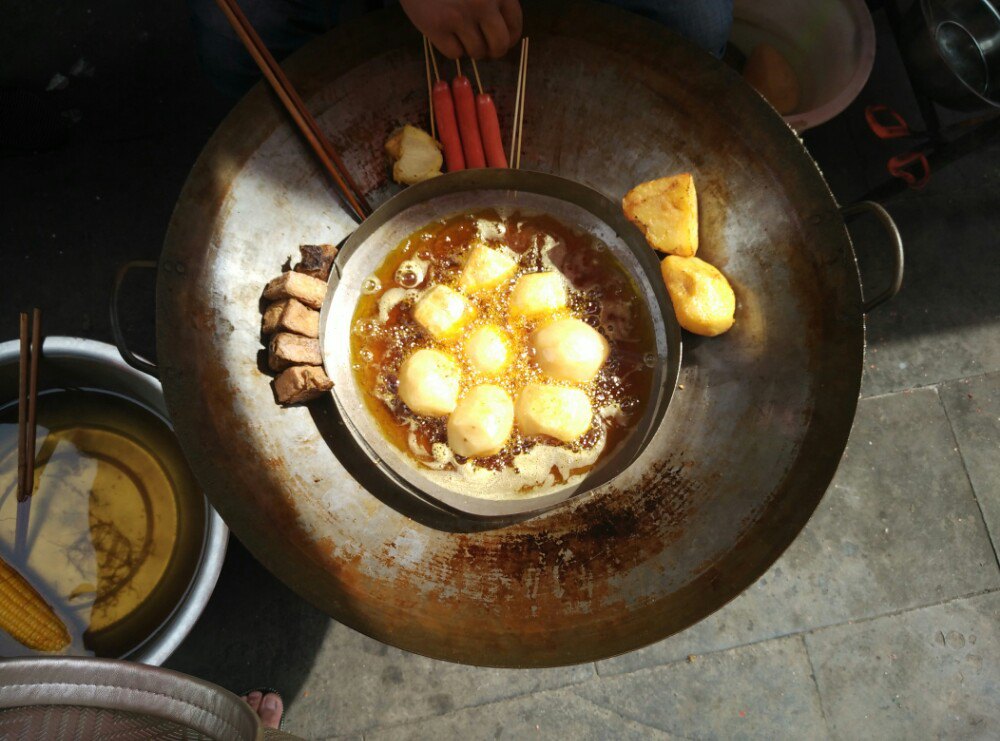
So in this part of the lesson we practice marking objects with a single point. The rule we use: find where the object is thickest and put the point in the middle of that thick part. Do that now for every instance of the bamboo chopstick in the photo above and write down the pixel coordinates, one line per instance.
(22, 410)
(324, 151)
(36, 352)
(27, 416)
(518, 125)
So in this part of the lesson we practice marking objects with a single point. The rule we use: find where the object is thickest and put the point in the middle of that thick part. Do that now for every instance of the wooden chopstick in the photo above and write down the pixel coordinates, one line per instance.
(430, 85)
(27, 417)
(22, 410)
(324, 151)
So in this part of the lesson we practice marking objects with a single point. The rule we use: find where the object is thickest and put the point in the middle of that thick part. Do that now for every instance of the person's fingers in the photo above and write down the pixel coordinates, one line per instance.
(253, 700)
(449, 45)
(270, 711)
(511, 12)
(473, 41)
(494, 29)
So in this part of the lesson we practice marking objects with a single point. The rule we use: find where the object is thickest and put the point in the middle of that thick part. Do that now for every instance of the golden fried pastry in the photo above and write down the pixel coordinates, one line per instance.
(487, 349)
(702, 297)
(417, 155)
(666, 211)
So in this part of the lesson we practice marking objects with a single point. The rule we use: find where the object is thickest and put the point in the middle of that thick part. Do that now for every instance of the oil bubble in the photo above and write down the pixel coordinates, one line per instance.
(370, 285)
(649, 359)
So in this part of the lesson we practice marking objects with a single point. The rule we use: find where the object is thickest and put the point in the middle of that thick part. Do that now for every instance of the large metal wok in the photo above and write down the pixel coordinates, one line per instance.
(743, 455)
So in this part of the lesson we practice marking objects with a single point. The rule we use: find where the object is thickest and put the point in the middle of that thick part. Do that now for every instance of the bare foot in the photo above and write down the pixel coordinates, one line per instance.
(269, 707)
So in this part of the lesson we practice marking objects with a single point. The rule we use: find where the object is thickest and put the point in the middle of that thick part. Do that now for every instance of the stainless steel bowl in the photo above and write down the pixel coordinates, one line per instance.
(572, 203)
(76, 362)
(953, 47)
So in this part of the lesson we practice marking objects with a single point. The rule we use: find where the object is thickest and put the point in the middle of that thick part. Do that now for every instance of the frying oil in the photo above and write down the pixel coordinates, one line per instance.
(601, 293)
(116, 519)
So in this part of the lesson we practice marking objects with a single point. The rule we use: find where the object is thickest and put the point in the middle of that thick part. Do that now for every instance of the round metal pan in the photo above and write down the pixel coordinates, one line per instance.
(749, 444)
(589, 212)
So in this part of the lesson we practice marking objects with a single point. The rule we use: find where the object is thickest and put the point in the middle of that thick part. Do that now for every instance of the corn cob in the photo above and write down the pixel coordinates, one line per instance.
(26, 615)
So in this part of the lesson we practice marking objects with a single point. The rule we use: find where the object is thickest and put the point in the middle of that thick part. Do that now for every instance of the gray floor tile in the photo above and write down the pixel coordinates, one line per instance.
(356, 683)
(547, 715)
(898, 528)
(974, 410)
(927, 673)
(760, 691)
(945, 322)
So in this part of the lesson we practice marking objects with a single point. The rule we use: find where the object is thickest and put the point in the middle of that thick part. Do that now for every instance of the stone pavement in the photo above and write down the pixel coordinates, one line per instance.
(881, 621)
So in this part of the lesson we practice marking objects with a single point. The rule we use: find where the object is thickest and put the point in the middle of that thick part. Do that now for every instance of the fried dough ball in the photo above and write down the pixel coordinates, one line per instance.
(537, 294)
(569, 350)
(487, 349)
(485, 268)
(556, 411)
(702, 297)
(429, 381)
(482, 422)
(443, 312)
(666, 211)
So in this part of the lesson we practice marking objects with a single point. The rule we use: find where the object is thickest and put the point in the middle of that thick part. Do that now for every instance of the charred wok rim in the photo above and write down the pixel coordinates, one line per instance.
(201, 201)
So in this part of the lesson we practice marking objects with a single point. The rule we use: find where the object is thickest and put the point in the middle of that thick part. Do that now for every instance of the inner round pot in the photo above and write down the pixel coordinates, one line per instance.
(575, 205)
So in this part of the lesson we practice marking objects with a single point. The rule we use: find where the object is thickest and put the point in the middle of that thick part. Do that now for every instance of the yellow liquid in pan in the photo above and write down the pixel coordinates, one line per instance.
(116, 520)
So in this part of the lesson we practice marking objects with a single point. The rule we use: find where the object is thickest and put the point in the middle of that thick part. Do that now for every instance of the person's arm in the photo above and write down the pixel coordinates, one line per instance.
(467, 28)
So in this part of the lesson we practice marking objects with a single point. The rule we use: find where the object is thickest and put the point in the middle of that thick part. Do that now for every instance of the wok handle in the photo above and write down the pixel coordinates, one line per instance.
(116, 327)
(895, 244)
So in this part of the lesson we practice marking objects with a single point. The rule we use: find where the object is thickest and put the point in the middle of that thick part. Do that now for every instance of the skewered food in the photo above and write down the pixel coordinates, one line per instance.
(468, 126)
(666, 211)
(569, 350)
(557, 411)
(416, 155)
(702, 297)
(447, 126)
(482, 422)
(429, 382)
(290, 315)
(301, 383)
(489, 130)
(310, 291)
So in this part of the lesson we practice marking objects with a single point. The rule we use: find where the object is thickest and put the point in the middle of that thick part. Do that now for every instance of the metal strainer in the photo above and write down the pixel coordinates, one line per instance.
(70, 698)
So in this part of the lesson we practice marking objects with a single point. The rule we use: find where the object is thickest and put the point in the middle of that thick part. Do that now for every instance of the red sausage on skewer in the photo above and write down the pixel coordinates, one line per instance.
(489, 129)
(444, 113)
(465, 107)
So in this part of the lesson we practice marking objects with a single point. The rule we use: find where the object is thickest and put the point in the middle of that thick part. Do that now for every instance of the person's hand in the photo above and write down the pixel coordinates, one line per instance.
(472, 28)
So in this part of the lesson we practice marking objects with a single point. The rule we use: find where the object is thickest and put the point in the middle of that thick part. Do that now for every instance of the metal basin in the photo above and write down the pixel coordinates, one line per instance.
(583, 208)
(70, 362)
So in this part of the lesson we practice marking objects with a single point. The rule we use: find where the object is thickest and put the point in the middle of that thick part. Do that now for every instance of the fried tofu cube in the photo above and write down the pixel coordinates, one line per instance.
(538, 294)
(481, 423)
(703, 300)
(487, 350)
(310, 291)
(301, 383)
(569, 350)
(485, 268)
(443, 312)
(287, 349)
(666, 211)
(429, 382)
(290, 315)
(555, 411)
(317, 260)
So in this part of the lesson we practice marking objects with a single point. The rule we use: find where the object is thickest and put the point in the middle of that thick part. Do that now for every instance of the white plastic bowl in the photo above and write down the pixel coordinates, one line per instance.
(830, 45)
